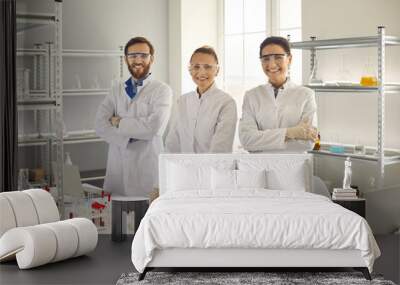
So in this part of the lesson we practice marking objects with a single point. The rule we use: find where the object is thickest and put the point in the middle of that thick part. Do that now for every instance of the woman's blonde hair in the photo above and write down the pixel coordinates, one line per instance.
(207, 50)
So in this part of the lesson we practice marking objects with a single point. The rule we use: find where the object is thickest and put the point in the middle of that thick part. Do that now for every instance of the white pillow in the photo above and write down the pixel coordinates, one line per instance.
(183, 177)
(251, 179)
(283, 172)
(228, 179)
(291, 179)
(223, 179)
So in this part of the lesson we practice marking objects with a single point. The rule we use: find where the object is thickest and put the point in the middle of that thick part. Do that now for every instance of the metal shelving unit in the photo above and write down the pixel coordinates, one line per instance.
(389, 88)
(85, 92)
(82, 138)
(92, 175)
(381, 41)
(46, 94)
(92, 53)
(37, 104)
(27, 21)
(42, 139)
(90, 137)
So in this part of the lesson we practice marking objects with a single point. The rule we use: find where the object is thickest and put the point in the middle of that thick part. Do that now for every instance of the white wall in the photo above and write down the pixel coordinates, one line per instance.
(192, 24)
(175, 45)
(199, 27)
(353, 118)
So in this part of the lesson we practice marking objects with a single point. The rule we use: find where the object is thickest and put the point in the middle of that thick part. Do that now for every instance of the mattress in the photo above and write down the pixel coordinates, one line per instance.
(251, 219)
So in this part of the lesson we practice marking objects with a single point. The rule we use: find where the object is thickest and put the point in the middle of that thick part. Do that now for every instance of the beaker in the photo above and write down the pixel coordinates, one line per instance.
(343, 74)
(23, 179)
(314, 80)
(368, 78)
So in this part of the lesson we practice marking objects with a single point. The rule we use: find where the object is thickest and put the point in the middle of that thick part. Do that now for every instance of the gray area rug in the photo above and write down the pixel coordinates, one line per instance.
(269, 278)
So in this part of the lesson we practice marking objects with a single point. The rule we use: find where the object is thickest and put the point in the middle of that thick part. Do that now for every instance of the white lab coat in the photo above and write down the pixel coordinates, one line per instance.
(203, 125)
(132, 165)
(265, 119)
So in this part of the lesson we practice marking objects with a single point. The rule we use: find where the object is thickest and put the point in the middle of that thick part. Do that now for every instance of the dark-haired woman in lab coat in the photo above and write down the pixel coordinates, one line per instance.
(279, 116)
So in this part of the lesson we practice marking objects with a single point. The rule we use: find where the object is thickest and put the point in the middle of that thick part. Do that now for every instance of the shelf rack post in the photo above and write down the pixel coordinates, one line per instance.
(36, 68)
(381, 106)
(36, 86)
(313, 55)
(59, 107)
(121, 62)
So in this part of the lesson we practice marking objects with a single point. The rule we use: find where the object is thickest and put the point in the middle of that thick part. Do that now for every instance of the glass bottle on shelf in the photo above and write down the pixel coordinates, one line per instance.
(314, 80)
(368, 77)
(68, 160)
(23, 179)
(343, 75)
(317, 145)
(78, 84)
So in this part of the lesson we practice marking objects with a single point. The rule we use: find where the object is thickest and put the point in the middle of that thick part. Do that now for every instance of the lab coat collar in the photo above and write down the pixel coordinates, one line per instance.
(145, 81)
(208, 92)
(270, 88)
(286, 85)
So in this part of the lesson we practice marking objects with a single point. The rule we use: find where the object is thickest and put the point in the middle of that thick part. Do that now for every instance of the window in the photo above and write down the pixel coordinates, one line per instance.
(246, 24)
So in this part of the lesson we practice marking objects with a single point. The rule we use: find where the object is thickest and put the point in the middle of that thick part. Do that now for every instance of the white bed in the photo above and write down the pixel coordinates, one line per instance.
(237, 211)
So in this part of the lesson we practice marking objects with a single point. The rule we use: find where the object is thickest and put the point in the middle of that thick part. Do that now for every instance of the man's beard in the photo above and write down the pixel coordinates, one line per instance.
(138, 74)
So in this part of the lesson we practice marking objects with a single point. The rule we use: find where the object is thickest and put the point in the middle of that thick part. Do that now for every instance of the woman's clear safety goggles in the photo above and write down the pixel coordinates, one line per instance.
(137, 55)
(205, 67)
(277, 57)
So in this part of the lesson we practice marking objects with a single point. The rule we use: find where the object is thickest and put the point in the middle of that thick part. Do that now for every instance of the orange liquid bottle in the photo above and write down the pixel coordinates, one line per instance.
(368, 81)
(317, 144)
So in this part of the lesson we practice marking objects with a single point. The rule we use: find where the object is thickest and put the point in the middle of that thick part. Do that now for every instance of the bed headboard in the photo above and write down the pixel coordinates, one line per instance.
(233, 161)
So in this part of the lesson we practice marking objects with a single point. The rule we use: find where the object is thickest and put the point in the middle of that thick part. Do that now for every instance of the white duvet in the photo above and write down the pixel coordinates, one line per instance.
(252, 218)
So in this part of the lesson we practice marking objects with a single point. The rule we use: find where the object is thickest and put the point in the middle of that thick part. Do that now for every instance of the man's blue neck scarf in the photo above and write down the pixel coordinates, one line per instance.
(131, 89)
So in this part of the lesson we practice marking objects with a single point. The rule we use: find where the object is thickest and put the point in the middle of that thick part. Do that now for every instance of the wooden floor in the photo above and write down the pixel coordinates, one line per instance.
(111, 259)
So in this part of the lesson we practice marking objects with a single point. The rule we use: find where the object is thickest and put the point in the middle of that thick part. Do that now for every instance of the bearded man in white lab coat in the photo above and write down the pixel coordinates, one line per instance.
(132, 119)
(279, 116)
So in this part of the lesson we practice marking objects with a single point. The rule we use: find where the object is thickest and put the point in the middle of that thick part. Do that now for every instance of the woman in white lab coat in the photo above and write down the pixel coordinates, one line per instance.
(205, 119)
(132, 119)
(279, 116)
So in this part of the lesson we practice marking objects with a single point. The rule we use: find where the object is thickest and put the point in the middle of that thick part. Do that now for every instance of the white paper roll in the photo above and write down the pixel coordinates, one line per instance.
(36, 245)
(24, 210)
(67, 240)
(45, 205)
(7, 217)
(87, 235)
(10, 245)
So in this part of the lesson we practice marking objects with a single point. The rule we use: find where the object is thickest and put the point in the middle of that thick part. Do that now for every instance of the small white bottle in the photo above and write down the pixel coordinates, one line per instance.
(347, 174)
(314, 80)
(68, 160)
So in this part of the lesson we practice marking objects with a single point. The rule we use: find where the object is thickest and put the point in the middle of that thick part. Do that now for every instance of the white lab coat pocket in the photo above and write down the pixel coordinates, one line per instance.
(142, 109)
